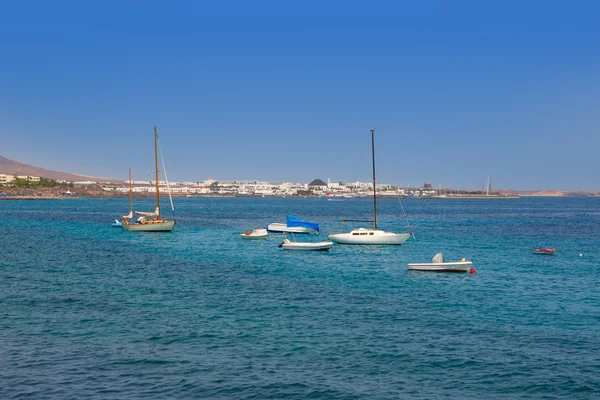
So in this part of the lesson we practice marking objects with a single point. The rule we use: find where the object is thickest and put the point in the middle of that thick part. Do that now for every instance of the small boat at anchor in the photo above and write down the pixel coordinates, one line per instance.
(257, 234)
(438, 265)
(293, 225)
(548, 252)
(306, 246)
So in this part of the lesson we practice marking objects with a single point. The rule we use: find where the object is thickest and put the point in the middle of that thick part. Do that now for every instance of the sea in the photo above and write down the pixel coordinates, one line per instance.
(88, 311)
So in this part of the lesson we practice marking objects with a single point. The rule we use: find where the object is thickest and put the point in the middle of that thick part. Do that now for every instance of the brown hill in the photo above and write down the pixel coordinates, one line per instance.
(11, 167)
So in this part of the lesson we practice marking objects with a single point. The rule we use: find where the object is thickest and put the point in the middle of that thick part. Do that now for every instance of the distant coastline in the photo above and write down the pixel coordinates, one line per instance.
(94, 192)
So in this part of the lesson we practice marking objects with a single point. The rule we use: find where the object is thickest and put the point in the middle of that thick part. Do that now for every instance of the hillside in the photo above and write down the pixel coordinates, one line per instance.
(11, 167)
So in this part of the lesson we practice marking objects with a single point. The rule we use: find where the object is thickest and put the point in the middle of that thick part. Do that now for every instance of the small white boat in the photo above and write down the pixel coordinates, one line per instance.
(306, 246)
(438, 265)
(293, 225)
(257, 234)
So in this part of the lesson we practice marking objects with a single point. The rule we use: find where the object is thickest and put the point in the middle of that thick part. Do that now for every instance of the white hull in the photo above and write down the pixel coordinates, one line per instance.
(163, 226)
(308, 246)
(458, 266)
(369, 237)
(280, 228)
(257, 234)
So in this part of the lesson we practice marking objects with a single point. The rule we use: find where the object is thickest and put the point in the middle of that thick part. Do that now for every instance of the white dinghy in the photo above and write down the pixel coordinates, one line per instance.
(438, 265)
(306, 246)
(257, 234)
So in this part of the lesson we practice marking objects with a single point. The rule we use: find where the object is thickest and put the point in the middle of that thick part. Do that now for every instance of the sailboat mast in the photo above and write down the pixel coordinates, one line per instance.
(130, 194)
(374, 179)
(156, 164)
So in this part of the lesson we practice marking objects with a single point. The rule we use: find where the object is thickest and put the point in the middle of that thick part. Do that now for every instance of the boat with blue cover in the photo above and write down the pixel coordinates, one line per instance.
(293, 224)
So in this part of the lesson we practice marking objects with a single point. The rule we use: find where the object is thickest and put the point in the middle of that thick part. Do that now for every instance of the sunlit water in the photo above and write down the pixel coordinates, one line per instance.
(90, 311)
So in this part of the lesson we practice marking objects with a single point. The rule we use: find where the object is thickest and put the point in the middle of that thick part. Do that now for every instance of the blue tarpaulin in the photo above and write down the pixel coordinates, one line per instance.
(293, 221)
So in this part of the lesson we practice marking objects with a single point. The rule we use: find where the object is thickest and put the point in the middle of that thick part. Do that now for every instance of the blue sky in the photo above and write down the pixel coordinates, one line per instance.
(288, 91)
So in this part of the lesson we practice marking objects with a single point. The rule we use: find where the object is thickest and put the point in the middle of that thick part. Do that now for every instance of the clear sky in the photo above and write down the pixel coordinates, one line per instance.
(288, 91)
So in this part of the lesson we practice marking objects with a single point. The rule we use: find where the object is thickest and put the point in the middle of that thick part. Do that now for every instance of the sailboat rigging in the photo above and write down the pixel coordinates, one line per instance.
(375, 235)
(130, 215)
(150, 221)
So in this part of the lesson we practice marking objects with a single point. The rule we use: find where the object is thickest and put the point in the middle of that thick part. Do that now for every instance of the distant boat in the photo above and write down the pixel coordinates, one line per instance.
(544, 251)
(293, 225)
(257, 234)
(438, 265)
(151, 221)
(119, 223)
(370, 236)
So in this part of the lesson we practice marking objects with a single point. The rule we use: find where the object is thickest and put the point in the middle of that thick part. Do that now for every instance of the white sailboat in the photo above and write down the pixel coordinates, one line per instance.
(368, 236)
(151, 221)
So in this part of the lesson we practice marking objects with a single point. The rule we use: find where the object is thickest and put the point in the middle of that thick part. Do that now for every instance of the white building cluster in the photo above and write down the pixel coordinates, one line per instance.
(259, 188)
(7, 178)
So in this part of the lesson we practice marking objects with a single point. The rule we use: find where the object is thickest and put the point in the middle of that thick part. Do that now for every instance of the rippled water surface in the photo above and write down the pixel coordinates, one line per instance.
(89, 311)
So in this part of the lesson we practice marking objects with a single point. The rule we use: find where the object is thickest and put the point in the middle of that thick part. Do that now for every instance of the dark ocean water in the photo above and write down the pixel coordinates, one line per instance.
(88, 311)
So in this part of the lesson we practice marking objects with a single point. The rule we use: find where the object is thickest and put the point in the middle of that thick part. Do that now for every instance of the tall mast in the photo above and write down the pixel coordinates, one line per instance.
(156, 163)
(374, 180)
(130, 194)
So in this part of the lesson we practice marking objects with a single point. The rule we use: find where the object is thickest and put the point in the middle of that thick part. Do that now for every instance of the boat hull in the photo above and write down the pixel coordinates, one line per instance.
(547, 252)
(253, 237)
(369, 237)
(163, 226)
(281, 228)
(459, 266)
(308, 246)
(257, 234)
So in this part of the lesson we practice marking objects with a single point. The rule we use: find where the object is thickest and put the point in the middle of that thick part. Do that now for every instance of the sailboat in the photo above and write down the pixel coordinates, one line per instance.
(150, 221)
(365, 235)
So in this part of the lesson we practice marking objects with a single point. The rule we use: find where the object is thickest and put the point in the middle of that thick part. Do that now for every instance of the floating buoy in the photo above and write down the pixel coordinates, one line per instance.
(580, 255)
(472, 270)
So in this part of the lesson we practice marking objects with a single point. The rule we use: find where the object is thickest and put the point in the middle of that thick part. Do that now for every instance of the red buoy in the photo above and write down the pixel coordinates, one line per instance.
(472, 271)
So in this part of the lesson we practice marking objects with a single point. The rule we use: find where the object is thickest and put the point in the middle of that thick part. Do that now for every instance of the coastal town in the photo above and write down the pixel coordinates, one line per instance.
(316, 187)
(40, 187)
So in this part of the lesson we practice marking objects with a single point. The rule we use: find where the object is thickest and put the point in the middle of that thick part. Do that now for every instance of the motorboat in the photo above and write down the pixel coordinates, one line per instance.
(372, 236)
(438, 265)
(293, 225)
(545, 251)
(256, 234)
(306, 246)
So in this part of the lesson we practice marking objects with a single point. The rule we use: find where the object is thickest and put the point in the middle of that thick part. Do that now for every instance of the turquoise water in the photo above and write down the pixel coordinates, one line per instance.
(89, 311)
